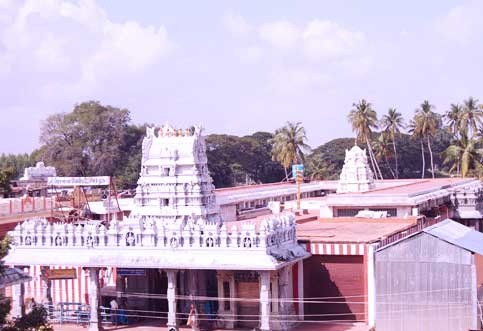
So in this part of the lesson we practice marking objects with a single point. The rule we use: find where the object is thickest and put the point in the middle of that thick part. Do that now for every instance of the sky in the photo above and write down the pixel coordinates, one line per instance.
(235, 67)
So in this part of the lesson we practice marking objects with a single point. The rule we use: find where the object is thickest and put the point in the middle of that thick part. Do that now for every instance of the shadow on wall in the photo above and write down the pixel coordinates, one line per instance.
(334, 285)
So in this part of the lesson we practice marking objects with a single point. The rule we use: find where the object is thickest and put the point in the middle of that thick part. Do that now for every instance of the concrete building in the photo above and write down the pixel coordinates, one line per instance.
(180, 239)
(429, 280)
(176, 245)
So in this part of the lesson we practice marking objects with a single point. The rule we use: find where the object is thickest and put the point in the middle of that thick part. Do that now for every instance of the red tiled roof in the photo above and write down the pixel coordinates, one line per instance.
(352, 229)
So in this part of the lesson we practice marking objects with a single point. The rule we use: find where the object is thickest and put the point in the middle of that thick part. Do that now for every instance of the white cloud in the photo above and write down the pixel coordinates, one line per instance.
(462, 23)
(315, 40)
(327, 40)
(236, 24)
(75, 46)
(281, 34)
(307, 55)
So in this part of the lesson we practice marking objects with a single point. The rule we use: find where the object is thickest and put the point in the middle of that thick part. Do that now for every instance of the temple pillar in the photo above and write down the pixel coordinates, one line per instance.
(224, 297)
(18, 306)
(300, 287)
(94, 295)
(171, 296)
(46, 289)
(264, 300)
(46, 286)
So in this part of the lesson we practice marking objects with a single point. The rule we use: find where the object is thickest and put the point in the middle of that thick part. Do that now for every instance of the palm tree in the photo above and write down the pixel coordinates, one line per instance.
(363, 119)
(318, 168)
(464, 154)
(453, 118)
(382, 148)
(471, 116)
(392, 124)
(428, 122)
(416, 132)
(289, 145)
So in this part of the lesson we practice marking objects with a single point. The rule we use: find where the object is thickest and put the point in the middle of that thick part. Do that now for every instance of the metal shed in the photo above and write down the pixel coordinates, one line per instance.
(428, 281)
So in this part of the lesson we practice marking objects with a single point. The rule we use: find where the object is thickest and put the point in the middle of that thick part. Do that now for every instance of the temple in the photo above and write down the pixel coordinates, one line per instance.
(175, 236)
(356, 176)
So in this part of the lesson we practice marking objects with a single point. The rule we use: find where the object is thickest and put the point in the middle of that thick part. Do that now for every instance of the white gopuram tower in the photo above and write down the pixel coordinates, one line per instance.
(356, 175)
(175, 187)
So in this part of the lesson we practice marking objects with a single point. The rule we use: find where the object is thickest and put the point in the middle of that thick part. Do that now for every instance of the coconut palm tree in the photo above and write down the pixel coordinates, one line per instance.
(382, 146)
(416, 133)
(427, 120)
(289, 145)
(471, 116)
(363, 120)
(453, 118)
(318, 168)
(392, 123)
(464, 153)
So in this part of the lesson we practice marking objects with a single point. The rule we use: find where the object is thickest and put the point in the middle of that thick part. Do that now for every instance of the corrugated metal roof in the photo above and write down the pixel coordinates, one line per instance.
(457, 234)
(12, 276)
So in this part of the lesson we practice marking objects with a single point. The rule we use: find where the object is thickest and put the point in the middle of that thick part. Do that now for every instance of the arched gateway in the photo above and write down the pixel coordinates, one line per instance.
(175, 233)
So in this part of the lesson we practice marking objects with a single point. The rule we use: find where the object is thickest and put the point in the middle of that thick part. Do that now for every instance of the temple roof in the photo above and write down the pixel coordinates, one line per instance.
(12, 276)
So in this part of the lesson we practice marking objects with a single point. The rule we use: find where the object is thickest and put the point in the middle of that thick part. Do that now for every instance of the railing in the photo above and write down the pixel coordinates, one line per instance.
(76, 312)
(274, 231)
(421, 224)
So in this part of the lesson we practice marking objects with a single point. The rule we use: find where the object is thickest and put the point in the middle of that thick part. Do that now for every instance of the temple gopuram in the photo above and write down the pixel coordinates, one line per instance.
(176, 243)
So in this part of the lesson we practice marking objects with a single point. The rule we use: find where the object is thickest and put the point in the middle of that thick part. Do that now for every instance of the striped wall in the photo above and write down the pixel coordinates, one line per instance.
(336, 249)
(64, 290)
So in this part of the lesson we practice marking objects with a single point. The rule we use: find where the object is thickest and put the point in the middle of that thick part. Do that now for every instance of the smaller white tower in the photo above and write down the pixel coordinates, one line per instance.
(356, 175)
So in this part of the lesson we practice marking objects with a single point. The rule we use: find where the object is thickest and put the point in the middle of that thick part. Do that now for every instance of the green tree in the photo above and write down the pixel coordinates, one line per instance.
(382, 146)
(129, 164)
(6, 176)
(464, 155)
(16, 162)
(471, 117)
(236, 160)
(363, 120)
(416, 132)
(392, 123)
(427, 123)
(289, 145)
(85, 142)
(327, 160)
(453, 119)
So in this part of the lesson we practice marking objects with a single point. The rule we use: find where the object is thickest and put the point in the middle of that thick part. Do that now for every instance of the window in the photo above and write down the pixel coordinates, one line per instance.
(347, 212)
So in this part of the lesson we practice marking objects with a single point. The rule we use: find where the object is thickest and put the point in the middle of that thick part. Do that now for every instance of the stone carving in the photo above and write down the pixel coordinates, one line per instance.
(356, 175)
(272, 233)
(130, 239)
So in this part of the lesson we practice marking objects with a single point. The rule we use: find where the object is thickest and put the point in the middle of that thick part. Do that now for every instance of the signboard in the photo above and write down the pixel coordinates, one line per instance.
(297, 167)
(131, 272)
(79, 181)
(53, 274)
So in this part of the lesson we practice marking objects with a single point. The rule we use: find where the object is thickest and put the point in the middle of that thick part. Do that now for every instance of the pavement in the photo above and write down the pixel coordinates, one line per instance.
(155, 326)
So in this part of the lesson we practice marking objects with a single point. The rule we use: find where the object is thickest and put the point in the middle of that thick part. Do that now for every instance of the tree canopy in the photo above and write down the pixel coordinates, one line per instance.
(236, 160)
(85, 142)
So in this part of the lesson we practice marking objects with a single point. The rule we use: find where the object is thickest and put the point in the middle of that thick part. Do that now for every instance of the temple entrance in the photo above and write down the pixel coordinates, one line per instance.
(143, 293)
(248, 288)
